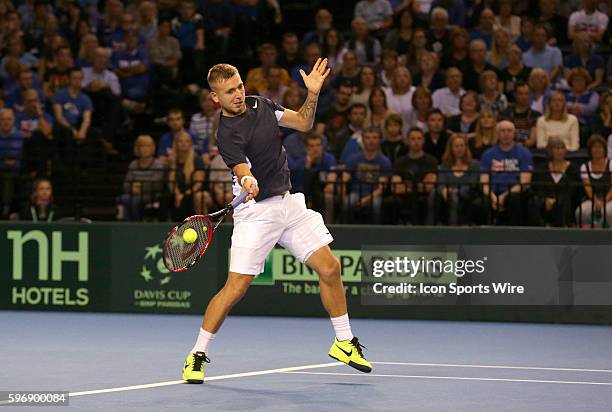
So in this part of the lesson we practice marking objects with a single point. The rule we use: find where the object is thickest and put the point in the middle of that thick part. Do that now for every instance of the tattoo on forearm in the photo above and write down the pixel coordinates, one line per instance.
(308, 109)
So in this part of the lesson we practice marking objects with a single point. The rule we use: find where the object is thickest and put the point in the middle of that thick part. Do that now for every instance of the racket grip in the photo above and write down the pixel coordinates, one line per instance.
(239, 199)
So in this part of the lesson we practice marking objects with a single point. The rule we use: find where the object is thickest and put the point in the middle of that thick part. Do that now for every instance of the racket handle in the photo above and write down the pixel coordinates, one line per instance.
(239, 199)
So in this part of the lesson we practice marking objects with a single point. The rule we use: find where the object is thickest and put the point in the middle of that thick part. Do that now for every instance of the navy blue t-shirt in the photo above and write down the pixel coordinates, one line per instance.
(506, 166)
(252, 138)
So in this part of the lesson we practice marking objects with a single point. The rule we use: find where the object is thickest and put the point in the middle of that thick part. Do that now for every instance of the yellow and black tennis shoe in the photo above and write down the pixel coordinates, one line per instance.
(193, 370)
(349, 352)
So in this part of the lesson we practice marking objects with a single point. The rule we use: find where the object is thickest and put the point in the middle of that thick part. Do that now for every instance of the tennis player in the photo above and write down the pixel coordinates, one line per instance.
(249, 144)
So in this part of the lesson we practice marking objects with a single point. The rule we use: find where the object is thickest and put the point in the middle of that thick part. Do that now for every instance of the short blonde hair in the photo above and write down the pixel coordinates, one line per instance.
(221, 72)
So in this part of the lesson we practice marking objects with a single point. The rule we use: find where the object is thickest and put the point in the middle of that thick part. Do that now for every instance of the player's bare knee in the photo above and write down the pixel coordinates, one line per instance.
(330, 271)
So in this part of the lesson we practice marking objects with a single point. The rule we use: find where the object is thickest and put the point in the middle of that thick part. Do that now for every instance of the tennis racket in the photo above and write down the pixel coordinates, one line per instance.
(180, 255)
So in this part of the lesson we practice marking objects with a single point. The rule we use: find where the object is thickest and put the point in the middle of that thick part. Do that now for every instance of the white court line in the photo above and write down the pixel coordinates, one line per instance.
(212, 378)
(457, 365)
(463, 378)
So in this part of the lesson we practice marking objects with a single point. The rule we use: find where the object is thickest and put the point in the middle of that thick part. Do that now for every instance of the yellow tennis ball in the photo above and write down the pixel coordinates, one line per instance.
(190, 235)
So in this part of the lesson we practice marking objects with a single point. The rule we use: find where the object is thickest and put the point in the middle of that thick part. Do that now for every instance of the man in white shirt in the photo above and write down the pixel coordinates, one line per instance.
(588, 19)
(447, 99)
(377, 13)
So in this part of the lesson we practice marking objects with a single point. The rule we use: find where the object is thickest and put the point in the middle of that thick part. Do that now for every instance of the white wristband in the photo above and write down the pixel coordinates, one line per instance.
(248, 177)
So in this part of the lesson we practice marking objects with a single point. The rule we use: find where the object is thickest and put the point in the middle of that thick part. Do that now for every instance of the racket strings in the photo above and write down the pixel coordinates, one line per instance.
(182, 254)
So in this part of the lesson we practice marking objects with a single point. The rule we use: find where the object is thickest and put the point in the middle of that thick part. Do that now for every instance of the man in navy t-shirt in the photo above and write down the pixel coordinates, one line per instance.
(507, 168)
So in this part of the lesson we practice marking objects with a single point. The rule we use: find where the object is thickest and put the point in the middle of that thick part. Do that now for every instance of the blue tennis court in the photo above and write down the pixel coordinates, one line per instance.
(133, 362)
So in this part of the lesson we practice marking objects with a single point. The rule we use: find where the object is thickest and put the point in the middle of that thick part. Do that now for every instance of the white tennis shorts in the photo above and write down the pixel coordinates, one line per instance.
(285, 220)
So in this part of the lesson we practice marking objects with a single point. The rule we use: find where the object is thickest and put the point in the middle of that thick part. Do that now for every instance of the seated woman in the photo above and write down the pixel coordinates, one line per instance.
(458, 179)
(143, 182)
(484, 137)
(491, 97)
(465, 123)
(581, 102)
(540, 90)
(555, 185)
(186, 180)
(378, 110)
(367, 82)
(42, 207)
(557, 122)
(596, 174)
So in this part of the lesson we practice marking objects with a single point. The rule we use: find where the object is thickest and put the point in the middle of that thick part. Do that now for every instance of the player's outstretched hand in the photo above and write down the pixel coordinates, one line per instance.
(314, 80)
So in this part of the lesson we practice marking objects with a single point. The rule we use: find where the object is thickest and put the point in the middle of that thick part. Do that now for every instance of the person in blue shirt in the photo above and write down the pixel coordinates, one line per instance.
(507, 168)
(543, 56)
(11, 153)
(176, 123)
(188, 28)
(306, 170)
(131, 66)
(72, 110)
(37, 128)
(367, 172)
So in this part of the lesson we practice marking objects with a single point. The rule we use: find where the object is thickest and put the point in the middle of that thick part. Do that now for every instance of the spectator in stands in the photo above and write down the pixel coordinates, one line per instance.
(447, 98)
(219, 21)
(465, 123)
(455, 9)
(312, 53)
(393, 145)
(596, 174)
(559, 123)
(323, 22)
(399, 95)
(581, 102)
(290, 56)
(147, 21)
(41, 207)
(11, 153)
(485, 28)
(14, 100)
(389, 63)
(132, 67)
(499, 56)
(113, 13)
(331, 122)
(458, 181)
(458, 53)
(378, 111)
(506, 21)
(422, 103)
(165, 55)
(378, 15)
(490, 96)
(351, 136)
(514, 73)
(367, 172)
(367, 82)
(221, 182)
(478, 65)
(176, 123)
(87, 51)
(366, 47)
(438, 35)
(527, 26)
(485, 136)
(308, 172)
(418, 47)
(58, 77)
(523, 116)
(37, 129)
(256, 80)
(399, 39)
(332, 46)
(143, 182)
(16, 49)
(72, 110)
(540, 90)
(584, 57)
(543, 56)
(551, 16)
(203, 125)
(436, 137)
(292, 99)
(413, 181)
(276, 90)
(104, 90)
(429, 75)
(555, 185)
(602, 122)
(116, 40)
(507, 176)
(349, 70)
(186, 179)
(588, 19)
(188, 27)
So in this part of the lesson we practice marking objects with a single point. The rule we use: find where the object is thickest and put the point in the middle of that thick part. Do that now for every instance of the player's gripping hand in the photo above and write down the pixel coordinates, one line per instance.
(249, 184)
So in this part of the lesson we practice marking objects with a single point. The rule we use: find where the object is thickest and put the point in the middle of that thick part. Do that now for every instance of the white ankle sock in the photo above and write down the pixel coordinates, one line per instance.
(204, 339)
(342, 327)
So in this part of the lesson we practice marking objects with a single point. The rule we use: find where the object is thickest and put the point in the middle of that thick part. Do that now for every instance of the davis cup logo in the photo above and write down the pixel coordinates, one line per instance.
(153, 268)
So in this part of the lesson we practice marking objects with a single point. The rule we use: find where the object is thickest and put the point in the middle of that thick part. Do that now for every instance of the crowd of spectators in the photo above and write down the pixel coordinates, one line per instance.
(436, 112)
